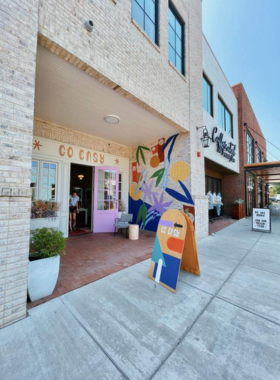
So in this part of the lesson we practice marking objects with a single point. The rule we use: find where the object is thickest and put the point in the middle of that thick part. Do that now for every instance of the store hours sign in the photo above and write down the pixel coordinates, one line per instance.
(261, 219)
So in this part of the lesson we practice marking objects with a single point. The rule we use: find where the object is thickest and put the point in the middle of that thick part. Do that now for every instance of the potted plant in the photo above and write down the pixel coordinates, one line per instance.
(122, 208)
(46, 245)
(237, 209)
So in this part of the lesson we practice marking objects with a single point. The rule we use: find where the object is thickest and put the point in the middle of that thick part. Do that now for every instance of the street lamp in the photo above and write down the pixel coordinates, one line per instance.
(205, 139)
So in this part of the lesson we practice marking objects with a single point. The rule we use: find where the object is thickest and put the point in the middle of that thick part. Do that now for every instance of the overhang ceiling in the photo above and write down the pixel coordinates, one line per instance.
(215, 167)
(71, 98)
(268, 171)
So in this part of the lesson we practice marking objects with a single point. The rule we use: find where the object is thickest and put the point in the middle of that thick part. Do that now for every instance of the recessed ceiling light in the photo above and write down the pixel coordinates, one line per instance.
(112, 119)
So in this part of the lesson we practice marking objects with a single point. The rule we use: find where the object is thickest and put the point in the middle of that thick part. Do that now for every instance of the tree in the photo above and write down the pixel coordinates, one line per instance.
(275, 189)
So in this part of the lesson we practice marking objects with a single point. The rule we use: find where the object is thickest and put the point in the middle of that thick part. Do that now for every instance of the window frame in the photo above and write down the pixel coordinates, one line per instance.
(205, 77)
(248, 134)
(180, 20)
(220, 99)
(156, 23)
(258, 154)
(40, 179)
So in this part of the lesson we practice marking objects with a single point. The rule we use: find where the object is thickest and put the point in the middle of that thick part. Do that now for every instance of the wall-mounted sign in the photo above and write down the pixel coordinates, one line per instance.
(174, 249)
(261, 219)
(228, 150)
(63, 151)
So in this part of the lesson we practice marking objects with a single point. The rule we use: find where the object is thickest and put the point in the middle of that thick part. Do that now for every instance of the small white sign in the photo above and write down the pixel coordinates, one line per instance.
(261, 219)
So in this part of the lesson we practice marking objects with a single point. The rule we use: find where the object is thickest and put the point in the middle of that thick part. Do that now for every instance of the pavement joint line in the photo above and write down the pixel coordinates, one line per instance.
(263, 270)
(96, 341)
(249, 311)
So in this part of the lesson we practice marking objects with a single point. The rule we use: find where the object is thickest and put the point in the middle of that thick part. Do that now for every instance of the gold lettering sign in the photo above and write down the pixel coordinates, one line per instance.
(61, 150)
(89, 156)
(81, 154)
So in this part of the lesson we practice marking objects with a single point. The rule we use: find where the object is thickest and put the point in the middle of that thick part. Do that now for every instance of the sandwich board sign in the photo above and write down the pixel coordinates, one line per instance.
(174, 249)
(261, 220)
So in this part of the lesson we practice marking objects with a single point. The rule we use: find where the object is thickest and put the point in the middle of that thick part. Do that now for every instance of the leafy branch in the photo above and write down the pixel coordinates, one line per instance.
(140, 151)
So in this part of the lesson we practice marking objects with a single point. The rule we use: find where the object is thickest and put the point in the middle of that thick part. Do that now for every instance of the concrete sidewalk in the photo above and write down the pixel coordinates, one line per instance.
(224, 324)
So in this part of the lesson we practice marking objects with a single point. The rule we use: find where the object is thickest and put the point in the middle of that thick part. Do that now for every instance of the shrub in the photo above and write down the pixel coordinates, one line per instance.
(46, 242)
(239, 201)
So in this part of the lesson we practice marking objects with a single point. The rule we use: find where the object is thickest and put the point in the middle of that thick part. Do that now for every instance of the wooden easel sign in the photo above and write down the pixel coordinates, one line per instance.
(174, 249)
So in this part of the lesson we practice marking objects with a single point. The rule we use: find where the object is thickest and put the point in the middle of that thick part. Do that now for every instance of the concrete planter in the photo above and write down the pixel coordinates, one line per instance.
(44, 222)
(42, 277)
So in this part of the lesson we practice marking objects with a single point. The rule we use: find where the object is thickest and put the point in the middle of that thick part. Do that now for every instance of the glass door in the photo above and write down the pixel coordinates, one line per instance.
(106, 187)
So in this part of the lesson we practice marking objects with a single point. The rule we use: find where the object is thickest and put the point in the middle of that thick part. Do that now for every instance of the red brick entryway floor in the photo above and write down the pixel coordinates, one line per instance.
(93, 256)
(218, 225)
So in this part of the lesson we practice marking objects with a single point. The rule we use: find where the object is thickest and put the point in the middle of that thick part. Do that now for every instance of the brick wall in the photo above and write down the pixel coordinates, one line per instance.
(121, 56)
(234, 185)
(18, 44)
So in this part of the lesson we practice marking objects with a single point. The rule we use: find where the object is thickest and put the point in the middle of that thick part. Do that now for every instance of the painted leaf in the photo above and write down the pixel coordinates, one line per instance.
(158, 175)
(142, 213)
(140, 150)
(171, 140)
(159, 178)
(187, 198)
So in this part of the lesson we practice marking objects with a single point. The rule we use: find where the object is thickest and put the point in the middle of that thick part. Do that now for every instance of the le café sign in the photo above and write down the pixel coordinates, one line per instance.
(228, 150)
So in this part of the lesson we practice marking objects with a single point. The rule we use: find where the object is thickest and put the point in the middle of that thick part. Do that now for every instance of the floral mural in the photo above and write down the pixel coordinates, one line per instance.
(153, 181)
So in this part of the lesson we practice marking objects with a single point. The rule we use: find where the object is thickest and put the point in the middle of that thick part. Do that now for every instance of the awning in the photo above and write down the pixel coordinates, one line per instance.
(267, 171)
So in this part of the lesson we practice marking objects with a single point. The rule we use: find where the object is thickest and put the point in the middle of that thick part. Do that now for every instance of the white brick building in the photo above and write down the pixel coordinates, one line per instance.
(59, 81)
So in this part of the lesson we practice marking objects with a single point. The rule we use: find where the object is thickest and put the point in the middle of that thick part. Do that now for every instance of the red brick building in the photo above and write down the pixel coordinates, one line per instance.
(252, 149)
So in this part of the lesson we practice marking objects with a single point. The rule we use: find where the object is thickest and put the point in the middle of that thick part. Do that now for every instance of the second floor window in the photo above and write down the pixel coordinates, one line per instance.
(175, 40)
(250, 148)
(225, 117)
(207, 96)
(258, 154)
(144, 12)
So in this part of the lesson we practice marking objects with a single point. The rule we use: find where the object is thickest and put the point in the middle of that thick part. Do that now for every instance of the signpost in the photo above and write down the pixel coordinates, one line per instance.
(261, 220)
(174, 249)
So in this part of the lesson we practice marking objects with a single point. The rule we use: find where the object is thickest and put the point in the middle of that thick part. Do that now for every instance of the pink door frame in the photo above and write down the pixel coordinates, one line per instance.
(104, 220)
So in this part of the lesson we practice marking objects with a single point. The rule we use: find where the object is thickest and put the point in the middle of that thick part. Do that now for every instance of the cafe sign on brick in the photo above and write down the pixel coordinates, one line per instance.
(228, 150)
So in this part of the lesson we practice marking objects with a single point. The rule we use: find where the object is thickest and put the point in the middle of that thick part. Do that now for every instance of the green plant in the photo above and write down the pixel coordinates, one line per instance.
(122, 206)
(44, 209)
(238, 201)
(46, 242)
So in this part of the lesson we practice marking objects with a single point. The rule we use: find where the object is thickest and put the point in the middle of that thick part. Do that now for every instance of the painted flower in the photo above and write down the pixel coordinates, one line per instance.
(159, 206)
(148, 193)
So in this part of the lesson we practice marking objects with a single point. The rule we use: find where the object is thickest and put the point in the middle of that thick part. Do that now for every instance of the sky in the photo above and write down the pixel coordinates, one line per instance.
(245, 37)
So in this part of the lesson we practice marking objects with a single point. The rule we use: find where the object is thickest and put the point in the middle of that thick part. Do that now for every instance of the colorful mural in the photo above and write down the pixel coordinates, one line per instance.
(153, 181)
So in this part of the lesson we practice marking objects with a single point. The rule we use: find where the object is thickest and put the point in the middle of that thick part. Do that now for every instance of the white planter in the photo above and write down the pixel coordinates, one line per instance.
(42, 277)
(44, 222)
(119, 214)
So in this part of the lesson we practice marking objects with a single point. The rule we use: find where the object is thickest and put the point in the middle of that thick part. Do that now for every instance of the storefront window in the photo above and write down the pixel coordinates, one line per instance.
(43, 180)
(34, 179)
(250, 148)
(207, 95)
(48, 182)
(250, 182)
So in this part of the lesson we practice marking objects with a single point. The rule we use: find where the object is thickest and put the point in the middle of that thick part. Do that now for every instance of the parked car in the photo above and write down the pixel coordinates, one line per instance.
(272, 199)
(278, 198)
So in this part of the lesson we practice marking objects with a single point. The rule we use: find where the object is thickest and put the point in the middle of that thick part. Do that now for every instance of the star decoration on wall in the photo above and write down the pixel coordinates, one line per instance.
(117, 161)
(36, 145)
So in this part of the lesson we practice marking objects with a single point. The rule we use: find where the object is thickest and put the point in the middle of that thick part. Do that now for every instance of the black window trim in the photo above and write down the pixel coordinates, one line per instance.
(156, 20)
(205, 76)
(226, 107)
(172, 7)
(252, 148)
